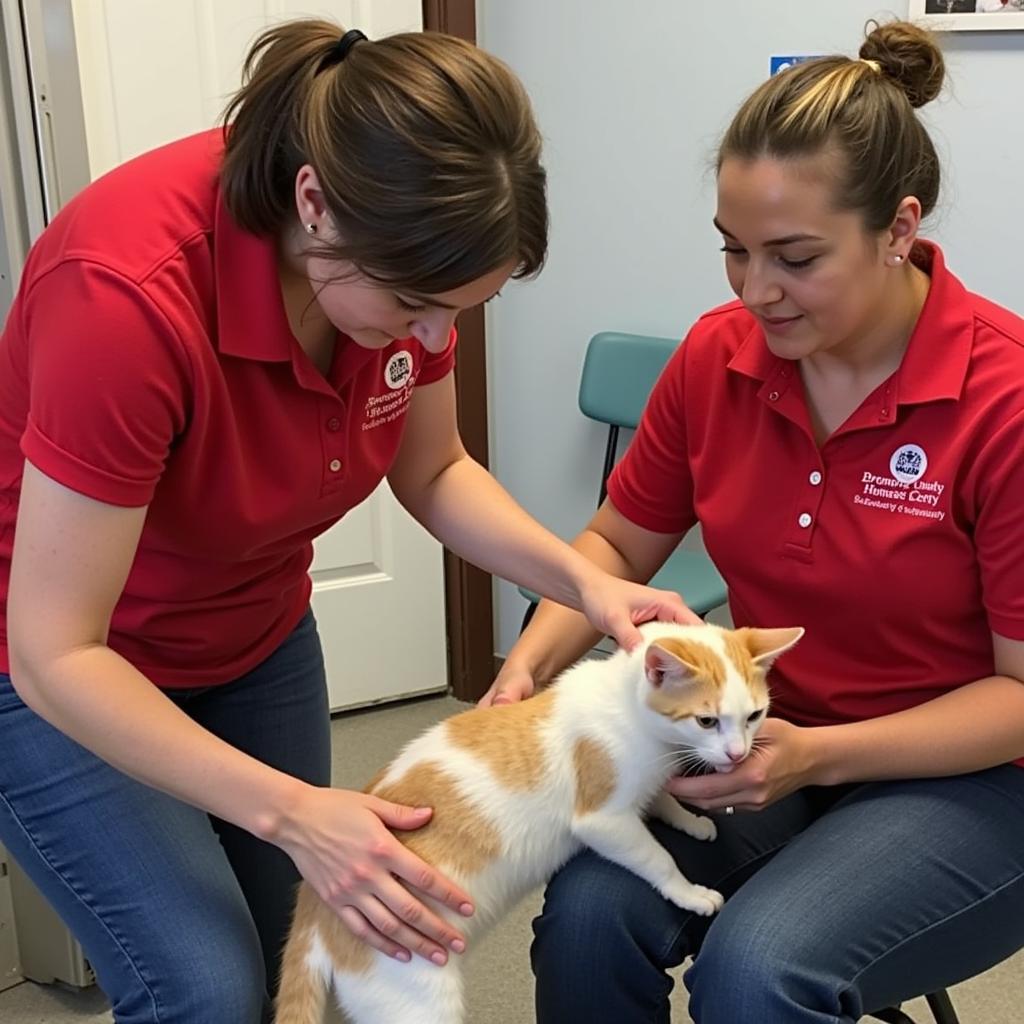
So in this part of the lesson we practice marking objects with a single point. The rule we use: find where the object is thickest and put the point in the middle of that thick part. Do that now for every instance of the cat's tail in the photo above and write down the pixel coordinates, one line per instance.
(302, 990)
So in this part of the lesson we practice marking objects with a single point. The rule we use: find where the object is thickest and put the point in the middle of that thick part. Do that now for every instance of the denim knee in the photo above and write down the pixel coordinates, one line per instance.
(602, 946)
(215, 986)
(751, 971)
(614, 909)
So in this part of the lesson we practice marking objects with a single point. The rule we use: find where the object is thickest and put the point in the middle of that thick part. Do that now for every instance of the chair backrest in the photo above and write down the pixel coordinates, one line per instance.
(619, 371)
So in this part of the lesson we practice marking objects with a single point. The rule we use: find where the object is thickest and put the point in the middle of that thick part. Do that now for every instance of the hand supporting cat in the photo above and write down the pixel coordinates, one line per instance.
(785, 763)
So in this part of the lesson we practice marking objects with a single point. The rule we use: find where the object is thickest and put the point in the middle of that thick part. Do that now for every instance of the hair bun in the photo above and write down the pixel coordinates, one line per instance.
(909, 55)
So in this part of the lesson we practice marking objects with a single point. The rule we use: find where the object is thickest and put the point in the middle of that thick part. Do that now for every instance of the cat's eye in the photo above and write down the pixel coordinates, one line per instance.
(707, 721)
(756, 716)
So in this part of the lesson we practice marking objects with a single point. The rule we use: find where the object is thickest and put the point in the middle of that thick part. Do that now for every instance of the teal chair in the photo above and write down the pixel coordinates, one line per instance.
(619, 371)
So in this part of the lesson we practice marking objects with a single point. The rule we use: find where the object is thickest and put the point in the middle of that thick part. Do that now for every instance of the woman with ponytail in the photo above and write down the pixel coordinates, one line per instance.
(849, 434)
(215, 352)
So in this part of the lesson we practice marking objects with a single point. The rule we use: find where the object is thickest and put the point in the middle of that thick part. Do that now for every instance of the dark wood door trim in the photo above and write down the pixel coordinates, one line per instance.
(468, 590)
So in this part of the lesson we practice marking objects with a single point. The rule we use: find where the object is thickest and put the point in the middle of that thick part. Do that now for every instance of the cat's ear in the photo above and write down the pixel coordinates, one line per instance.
(663, 666)
(765, 645)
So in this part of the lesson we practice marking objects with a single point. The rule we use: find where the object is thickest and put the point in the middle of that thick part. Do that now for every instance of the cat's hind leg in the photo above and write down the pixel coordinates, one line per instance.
(391, 992)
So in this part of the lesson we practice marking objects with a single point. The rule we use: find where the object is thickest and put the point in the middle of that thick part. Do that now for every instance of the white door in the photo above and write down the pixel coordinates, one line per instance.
(156, 70)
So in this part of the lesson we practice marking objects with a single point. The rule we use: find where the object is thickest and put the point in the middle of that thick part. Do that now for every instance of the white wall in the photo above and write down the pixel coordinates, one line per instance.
(631, 99)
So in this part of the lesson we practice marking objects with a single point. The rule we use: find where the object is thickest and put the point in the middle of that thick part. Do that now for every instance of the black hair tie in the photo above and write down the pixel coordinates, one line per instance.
(345, 44)
(341, 49)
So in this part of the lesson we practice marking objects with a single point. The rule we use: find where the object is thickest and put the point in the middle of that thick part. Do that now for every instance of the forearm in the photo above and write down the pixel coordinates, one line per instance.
(475, 517)
(102, 702)
(557, 636)
(971, 728)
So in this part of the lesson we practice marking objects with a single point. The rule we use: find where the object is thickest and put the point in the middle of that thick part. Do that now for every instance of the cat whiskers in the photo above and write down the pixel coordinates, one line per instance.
(758, 746)
(685, 758)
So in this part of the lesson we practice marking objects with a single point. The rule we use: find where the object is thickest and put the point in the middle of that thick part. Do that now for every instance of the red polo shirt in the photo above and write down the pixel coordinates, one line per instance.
(147, 360)
(898, 544)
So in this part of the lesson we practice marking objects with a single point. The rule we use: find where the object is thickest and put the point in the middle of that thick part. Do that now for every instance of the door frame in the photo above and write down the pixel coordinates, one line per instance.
(468, 590)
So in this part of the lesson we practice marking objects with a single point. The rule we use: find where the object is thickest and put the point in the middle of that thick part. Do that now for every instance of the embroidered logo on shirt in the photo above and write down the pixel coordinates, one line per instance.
(904, 491)
(393, 404)
(908, 463)
(398, 369)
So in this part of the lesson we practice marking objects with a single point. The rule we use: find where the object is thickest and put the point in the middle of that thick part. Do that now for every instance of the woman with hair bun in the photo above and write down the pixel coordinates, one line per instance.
(849, 434)
(215, 352)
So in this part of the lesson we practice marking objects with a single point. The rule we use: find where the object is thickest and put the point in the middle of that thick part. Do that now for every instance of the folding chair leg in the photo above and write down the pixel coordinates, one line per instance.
(892, 1015)
(942, 1007)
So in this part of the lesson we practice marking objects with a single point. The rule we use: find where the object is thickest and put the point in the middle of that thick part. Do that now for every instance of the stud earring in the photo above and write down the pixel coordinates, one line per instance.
(897, 260)
(311, 230)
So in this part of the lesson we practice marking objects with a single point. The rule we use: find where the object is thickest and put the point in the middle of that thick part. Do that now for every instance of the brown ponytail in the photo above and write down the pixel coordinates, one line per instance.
(862, 109)
(425, 146)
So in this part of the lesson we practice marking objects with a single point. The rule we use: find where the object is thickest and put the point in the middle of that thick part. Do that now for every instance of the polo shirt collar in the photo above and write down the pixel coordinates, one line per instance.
(934, 367)
(935, 364)
(251, 319)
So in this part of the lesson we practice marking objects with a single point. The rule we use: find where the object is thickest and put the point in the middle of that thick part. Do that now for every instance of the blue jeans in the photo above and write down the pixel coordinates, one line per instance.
(839, 902)
(181, 915)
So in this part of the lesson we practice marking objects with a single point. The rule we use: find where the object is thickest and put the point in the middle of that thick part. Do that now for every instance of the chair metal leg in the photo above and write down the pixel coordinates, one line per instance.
(938, 1002)
(892, 1015)
(942, 1007)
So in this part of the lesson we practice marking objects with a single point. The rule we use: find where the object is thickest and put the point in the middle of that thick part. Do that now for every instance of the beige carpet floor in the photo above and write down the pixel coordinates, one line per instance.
(499, 983)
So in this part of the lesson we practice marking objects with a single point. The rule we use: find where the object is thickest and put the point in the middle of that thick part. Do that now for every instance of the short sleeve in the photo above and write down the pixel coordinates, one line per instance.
(998, 480)
(652, 485)
(109, 384)
(438, 364)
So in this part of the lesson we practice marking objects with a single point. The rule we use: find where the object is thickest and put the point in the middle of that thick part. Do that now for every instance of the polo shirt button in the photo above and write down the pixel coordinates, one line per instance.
(773, 397)
(335, 465)
(804, 520)
(334, 423)
(815, 478)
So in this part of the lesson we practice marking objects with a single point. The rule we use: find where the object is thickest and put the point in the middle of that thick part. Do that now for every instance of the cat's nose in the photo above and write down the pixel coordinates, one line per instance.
(736, 755)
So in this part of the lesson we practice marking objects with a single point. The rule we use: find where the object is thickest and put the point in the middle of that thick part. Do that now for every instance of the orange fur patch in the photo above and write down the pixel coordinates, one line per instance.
(507, 739)
(707, 674)
(457, 837)
(704, 663)
(595, 775)
(738, 653)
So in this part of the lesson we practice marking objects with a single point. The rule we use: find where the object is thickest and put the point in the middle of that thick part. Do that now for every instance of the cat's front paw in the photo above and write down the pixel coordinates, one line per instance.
(698, 898)
(700, 827)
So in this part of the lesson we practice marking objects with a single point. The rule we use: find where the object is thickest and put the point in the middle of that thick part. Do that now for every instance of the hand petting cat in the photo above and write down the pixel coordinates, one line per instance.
(616, 607)
(782, 760)
(612, 605)
(341, 843)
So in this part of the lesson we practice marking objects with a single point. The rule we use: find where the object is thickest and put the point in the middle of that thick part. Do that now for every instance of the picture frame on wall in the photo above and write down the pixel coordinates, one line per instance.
(968, 15)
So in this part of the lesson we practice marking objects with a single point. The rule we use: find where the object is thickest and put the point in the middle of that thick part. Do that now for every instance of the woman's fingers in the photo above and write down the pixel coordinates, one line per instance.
(356, 922)
(418, 873)
(394, 921)
(393, 856)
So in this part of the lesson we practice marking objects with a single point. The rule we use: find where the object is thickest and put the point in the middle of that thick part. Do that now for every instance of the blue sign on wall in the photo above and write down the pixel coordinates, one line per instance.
(781, 63)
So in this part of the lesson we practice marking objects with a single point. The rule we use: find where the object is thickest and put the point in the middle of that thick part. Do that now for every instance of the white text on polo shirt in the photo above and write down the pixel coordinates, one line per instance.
(381, 409)
(905, 499)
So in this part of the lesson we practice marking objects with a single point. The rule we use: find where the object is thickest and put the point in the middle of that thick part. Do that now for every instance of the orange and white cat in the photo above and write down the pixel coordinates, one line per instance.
(518, 789)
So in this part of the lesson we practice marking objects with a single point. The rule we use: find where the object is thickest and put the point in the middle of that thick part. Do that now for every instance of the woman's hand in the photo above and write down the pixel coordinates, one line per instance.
(781, 762)
(339, 841)
(616, 606)
(511, 685)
